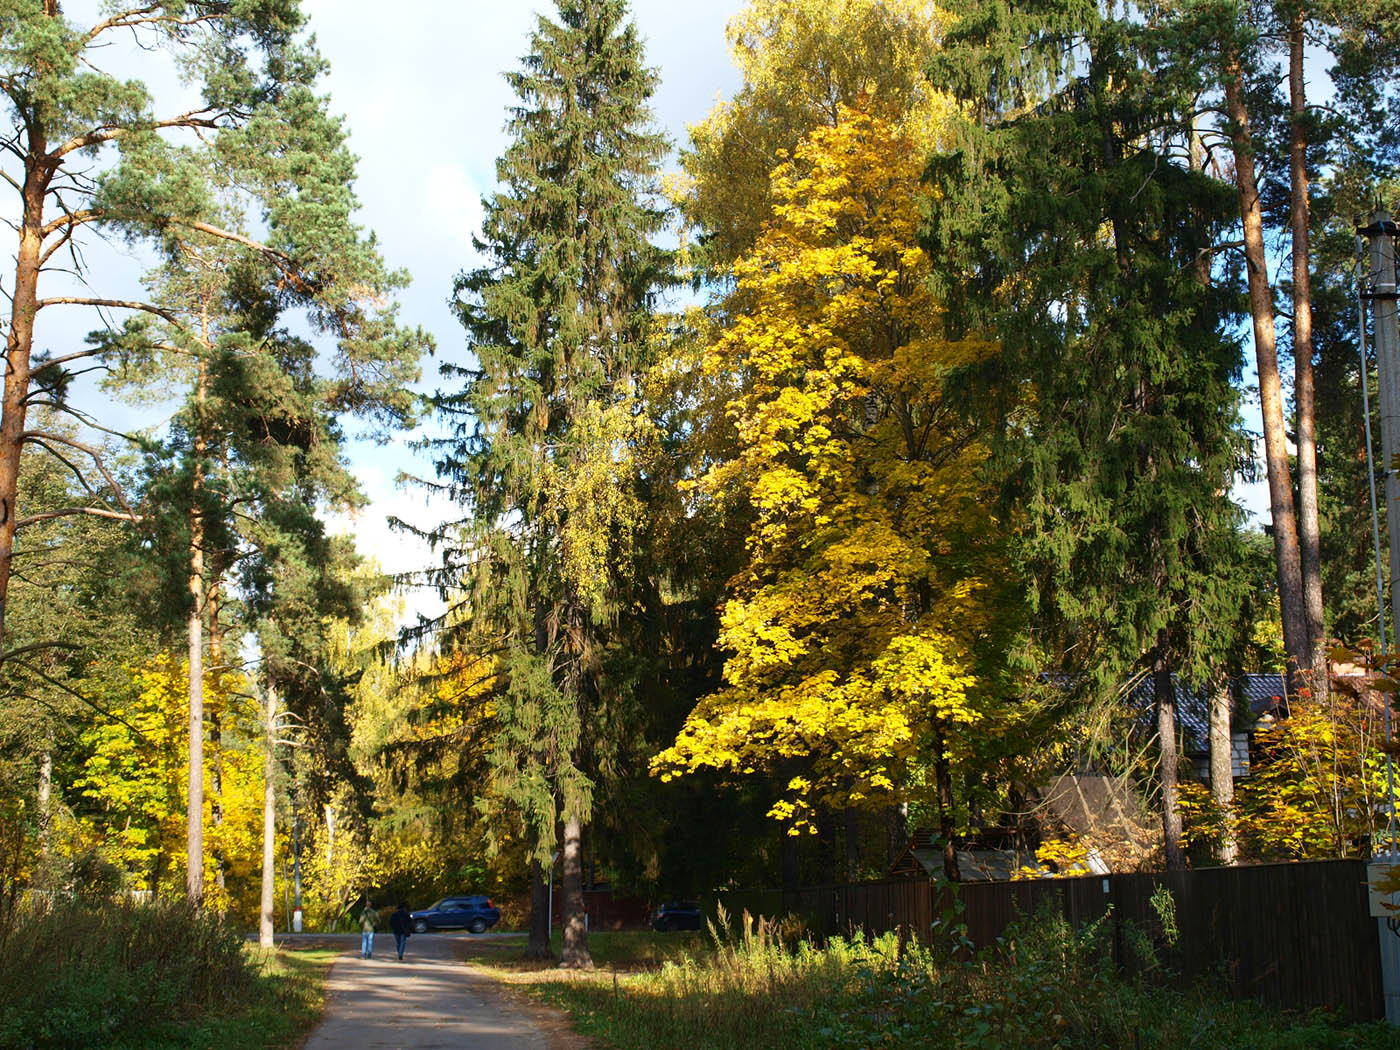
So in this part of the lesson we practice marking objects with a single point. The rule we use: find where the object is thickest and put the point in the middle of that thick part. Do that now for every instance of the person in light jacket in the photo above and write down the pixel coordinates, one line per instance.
(368, 918)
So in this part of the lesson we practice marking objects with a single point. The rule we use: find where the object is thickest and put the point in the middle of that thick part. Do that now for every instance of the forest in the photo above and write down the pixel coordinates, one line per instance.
(855, 470)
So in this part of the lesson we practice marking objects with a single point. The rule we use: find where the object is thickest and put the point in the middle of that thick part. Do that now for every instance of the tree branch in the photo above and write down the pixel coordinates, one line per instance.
(68, 512)
(116, 304)
(73, 692)
(41, 435)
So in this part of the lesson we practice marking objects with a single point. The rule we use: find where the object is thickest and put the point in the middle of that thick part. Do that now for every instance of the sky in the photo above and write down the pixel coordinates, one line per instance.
(425, 100)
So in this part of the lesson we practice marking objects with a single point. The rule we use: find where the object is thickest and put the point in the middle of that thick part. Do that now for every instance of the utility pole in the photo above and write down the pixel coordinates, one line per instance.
(296, 862)
(1380, 230)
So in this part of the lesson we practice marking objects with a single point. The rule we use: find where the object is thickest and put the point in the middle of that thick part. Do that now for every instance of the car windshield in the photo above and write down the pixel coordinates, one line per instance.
(434, 906)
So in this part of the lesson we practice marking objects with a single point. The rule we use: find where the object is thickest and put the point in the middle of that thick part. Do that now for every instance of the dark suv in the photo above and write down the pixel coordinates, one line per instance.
(677, 915)
(475, 913)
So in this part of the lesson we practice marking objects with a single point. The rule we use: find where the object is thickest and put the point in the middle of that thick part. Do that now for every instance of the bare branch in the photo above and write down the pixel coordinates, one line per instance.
(69, 512)
(70, 219)
(140, 16)
(77, 473)
(116, 304)
(73, 692)
(111, 132)
(96, 455)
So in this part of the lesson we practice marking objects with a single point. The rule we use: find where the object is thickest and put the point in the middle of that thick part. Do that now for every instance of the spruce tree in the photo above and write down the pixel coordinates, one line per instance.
(1068, 225)
(557, 321)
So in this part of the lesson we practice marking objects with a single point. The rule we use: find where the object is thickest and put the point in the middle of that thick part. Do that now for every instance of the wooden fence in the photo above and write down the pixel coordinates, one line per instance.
(1297, 936)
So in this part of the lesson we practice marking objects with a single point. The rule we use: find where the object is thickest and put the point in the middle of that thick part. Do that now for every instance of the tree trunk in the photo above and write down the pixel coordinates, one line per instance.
(194, 807)
(1297, 646)
(791, 866)
(45, 792)
(1222, 770)
(852, 843)
(269, 867)
(943, 779)
(1309, 528)
(538, 947)
(330, 837)
(20, 341)
(896, 830)
(1164, 698)
(575, 950)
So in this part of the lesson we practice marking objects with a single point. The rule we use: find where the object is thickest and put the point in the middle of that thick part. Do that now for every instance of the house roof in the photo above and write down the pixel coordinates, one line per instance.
(1261, 693)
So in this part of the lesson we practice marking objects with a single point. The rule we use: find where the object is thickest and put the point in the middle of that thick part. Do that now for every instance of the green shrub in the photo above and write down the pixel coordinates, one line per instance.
(117, 975)
(1045, 985)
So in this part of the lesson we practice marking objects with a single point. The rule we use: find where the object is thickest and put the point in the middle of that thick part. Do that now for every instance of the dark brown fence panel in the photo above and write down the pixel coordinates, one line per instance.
(1297, 936)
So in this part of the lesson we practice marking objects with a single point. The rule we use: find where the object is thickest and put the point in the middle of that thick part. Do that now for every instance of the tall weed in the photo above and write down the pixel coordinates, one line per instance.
(1045, 985)
(116, 975)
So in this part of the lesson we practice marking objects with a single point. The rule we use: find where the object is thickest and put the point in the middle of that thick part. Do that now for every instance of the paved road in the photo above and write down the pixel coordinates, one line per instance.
(430, 1001)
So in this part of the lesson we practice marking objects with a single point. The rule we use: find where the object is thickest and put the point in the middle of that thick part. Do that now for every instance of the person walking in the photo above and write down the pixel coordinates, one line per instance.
(368, 918)
(401, 922)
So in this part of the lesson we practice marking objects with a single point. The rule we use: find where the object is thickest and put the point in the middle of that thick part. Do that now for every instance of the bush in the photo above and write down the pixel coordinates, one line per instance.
(116, 975)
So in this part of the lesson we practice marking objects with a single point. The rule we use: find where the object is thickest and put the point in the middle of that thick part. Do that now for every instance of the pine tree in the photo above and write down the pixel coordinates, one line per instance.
(259, 136)
(557, 321)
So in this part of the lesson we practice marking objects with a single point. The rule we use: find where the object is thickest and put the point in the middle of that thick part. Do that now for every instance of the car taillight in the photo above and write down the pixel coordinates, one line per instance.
(488, 902)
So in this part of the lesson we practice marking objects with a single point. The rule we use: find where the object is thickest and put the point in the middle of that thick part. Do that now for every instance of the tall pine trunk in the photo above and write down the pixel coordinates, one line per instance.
(24, 300)
(216, 735)
(1164, 701)
(1296, 643)
(1309, 527)
(269, 837)
(194, 806)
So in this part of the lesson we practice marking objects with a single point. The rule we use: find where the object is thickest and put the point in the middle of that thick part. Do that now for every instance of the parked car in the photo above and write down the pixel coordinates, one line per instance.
(475, 913)
(677, 915)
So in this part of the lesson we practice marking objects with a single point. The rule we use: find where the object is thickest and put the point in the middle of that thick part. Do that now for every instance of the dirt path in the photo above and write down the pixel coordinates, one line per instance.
(430, 1001)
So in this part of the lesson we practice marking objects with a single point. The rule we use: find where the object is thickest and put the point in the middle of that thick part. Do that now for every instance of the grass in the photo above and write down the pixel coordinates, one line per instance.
(752, 986)
(624, 951)
(284, 1004)
(122, 975)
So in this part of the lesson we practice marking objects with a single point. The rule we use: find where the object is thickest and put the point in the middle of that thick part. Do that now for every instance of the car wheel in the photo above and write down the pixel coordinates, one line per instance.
(420, 927)
(477, 926)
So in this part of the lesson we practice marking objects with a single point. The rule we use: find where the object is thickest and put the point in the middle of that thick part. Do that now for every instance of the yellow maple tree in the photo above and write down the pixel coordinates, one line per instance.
(875, 580)
(135, 775)
(801, 62)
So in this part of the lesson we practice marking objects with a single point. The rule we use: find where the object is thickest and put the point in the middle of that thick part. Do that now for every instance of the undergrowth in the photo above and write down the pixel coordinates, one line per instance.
(1043, 986)
(127, 975)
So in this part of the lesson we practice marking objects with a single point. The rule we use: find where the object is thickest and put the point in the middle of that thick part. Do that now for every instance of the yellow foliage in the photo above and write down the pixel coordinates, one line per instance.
(1317, 784)
(802, 61)
(137, 772)
(874, 562)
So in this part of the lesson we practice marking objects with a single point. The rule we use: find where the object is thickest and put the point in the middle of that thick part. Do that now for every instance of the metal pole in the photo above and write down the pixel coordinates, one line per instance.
(296, 861)
(1361, 283)
(1381, 231)
(1388, 366)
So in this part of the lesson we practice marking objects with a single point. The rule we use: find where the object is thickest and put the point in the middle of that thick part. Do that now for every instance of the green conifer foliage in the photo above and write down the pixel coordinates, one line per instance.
(1068, 225)
(537, 458)
(255, 167)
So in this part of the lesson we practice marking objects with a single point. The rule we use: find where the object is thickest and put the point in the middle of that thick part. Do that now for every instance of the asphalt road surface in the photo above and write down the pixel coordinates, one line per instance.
(430, 1001)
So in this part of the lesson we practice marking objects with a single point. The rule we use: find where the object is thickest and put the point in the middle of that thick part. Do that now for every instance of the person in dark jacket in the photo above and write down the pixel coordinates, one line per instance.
(401, 922)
